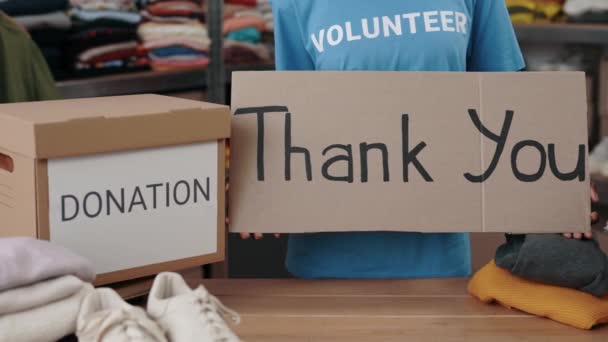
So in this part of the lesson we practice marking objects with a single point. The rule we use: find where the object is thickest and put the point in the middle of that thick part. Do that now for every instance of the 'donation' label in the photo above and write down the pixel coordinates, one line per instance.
(130, 209)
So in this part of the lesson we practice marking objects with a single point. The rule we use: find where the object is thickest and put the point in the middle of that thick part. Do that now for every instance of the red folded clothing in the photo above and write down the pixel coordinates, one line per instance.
(251, 3)
(175, 8)
(163, 65)
(237, 23)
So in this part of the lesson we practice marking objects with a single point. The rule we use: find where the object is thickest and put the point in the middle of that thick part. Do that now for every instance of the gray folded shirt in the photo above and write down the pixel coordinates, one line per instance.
(555, 260)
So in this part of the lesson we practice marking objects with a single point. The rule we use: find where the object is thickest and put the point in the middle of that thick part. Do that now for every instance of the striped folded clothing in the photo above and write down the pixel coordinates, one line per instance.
(109, 52)
(176, 52)
(111, 66)
(191, 30)
(169, 18)
(176, 64)
(237, 23)
(174, 8)
(117, 5)
(96, 15)
(183, 42)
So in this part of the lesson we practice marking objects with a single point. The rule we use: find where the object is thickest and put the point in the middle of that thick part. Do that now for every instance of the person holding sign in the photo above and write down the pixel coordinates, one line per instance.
(388, 35)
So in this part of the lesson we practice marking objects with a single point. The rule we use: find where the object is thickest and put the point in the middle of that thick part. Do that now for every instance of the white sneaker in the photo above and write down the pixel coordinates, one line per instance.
(105, 317)
(598, 158)
(189, 315)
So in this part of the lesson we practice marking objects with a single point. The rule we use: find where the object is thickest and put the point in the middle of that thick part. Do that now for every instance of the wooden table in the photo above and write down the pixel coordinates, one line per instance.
(380, 310)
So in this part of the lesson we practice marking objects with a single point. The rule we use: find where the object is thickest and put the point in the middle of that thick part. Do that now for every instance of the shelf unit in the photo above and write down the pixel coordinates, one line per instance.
(217, 76)
(134, 83)
(563, 33)
(212, 78)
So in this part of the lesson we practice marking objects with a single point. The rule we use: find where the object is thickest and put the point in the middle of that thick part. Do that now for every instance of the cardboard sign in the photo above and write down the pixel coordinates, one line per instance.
(399, 151)
(151, 199)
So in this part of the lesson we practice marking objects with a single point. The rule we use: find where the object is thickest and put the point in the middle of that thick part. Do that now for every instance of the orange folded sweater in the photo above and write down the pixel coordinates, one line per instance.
(568, 306)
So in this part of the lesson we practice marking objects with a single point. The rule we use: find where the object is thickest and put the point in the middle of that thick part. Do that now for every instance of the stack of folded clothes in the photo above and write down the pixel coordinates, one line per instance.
(245, 23)
(587, 11)
(104, 37)
(530, 11)
(48, 25)
(174, 35)
(550, 276)
(41, 289)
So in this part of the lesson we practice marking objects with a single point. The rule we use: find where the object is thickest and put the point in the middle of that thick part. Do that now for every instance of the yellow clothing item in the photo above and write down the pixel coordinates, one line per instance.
(568, 306)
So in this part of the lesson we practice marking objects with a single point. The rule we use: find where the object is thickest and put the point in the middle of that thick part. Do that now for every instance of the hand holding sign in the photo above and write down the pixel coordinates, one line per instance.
(595, 217)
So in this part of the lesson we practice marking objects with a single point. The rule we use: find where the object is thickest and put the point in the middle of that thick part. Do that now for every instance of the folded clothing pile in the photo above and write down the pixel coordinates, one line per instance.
(41, 289)
(103, 39)
(245, 24)
(587, 11)
(548, 275)
(48, 25)
(173, 34)
(530, 11)
(555, 260)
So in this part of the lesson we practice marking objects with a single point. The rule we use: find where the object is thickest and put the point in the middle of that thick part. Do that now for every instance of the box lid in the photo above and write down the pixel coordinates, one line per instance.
(52, 129)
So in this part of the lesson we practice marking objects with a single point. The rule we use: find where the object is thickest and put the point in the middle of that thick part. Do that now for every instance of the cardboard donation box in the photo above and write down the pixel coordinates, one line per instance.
(134, 183)
(399, 151)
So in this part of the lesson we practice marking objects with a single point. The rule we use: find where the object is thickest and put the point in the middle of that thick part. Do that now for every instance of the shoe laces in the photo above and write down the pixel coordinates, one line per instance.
(213, 312)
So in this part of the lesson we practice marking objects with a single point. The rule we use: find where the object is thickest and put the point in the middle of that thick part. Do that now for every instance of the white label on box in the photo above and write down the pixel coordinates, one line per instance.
(129, 209)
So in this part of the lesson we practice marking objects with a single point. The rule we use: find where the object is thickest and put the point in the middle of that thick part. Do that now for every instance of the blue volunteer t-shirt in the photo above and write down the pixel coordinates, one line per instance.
(404, 35)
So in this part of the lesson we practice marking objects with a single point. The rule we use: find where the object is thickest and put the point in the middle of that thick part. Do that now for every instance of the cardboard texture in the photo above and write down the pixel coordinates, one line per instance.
(135, 184)
(306, 170)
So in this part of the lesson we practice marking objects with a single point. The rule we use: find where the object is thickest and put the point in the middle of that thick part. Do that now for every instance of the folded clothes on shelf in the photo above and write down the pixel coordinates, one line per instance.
(175, 64)
(84, 39)
(529, 11)
(245, 53)
(175, 8)
(30, 7)
(53, 20)
(184, 42)
(96, 16)
(579, 7)
(247, 35)
(109, 52)
(237, 23)
(587, 11)
(169, 18)
(191, 30)
(117, 5)
(173, 35)
(172, 51)
(245, 22)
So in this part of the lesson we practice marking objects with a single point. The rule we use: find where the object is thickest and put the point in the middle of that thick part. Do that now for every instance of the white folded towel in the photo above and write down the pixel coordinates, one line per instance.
(47, 323)
(39, 294)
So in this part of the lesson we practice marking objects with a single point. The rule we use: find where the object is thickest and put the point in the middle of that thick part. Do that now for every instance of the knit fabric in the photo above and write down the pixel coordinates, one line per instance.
(47, 323)
(568, 306)
(554, 260)
(25, 261)
(39, 294)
